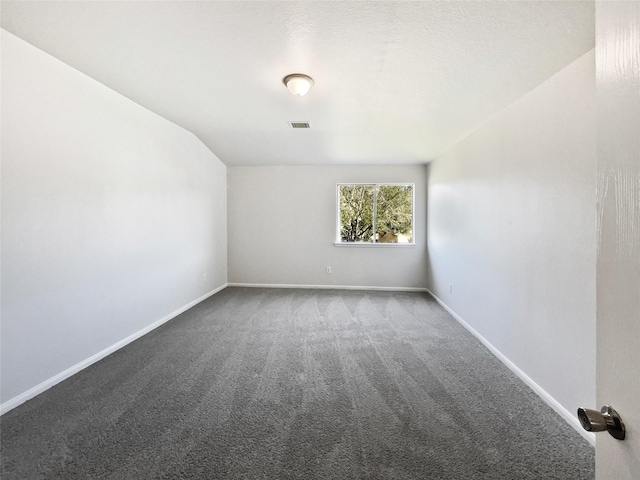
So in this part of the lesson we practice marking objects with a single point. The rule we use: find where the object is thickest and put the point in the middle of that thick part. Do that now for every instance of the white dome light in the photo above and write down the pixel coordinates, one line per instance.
(298, 84)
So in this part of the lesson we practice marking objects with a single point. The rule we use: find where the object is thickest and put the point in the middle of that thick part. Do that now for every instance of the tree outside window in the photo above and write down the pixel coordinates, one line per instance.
(376, 213)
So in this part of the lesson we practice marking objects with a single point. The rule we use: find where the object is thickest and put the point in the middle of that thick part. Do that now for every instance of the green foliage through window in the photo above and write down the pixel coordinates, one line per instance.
(376, 213)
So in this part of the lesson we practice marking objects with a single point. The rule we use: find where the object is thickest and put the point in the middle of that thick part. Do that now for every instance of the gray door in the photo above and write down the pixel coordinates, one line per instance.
(618, 267)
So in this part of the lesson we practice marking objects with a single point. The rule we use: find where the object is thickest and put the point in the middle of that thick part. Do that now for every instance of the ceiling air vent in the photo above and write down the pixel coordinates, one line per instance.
(299, 124)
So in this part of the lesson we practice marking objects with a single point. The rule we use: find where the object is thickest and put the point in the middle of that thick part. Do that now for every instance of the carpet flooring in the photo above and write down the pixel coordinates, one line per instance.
(308, 384)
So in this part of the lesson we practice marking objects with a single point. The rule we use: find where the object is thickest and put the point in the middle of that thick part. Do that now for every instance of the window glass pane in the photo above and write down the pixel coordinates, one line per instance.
(394, 211)
(356, 213)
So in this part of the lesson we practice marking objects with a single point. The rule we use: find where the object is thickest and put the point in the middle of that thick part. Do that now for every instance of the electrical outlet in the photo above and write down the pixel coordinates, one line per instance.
(451, 288)
(204, 277)
(328, 269)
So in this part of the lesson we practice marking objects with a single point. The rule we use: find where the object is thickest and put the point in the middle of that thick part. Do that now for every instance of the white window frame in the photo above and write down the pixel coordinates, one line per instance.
(339, 243)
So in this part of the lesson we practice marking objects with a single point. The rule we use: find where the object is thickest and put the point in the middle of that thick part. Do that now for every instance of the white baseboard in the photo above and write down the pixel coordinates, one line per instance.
(47, 384)
(542, 393)
(328, 287)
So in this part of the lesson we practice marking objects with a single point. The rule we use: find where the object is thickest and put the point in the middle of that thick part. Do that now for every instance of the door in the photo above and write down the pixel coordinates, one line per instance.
(618, 229)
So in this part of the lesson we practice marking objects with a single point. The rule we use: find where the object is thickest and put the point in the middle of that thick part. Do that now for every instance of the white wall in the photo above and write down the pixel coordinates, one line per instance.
(282, 228)
(110, 217)
(511, 213)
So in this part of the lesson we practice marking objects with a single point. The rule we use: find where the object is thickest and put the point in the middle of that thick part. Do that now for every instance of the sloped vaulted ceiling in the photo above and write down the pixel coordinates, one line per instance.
(395, 82)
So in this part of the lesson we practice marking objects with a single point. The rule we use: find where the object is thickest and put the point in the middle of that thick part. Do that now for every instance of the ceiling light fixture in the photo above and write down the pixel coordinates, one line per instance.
(298, 84)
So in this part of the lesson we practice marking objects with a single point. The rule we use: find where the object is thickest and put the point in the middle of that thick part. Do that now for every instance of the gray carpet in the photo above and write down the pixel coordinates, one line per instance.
(310, 384)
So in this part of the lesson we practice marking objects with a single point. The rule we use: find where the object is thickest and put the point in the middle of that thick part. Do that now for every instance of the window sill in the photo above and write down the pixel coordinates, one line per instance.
(373, 245)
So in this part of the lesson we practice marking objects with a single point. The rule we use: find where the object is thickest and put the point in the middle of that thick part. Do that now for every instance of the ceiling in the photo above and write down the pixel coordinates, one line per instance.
(395, 81)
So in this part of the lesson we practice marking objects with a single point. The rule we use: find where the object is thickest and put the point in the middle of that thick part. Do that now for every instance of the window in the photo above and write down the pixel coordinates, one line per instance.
(375, 213)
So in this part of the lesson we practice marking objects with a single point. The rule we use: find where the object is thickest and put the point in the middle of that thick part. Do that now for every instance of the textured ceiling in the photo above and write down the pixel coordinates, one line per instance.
(395, 82)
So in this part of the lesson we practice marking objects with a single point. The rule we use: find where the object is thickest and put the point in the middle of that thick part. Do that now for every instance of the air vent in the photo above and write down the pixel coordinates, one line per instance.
(299, 124)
